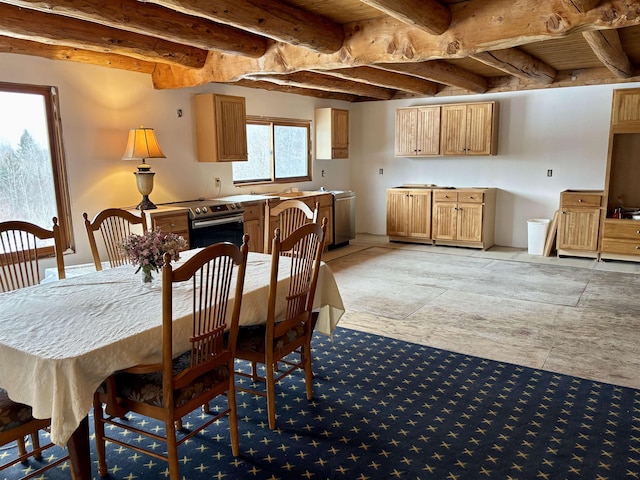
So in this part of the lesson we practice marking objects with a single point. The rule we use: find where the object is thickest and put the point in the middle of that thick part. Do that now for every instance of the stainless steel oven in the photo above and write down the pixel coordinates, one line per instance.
(214, 221)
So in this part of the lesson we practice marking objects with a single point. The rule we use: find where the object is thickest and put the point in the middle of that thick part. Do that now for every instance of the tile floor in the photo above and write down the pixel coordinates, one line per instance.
(570, 315)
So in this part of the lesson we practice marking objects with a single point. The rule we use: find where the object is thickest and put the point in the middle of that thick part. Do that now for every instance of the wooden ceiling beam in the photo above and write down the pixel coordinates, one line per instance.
(152, 20)
(607, 47)
(67, 32)
(385, 79)
(440, 72)
(428, 15)
(271, 18)
(518, 63)
(55, 52)
(477, 26)
(582, 5)
(318, 81)
(273, 87)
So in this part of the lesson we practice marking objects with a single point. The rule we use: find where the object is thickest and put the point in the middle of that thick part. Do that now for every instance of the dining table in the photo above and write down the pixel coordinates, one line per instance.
(60, 340)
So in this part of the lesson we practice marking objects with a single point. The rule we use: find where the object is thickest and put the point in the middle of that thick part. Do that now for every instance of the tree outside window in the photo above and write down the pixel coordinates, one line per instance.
(33, 184)
(279, 152)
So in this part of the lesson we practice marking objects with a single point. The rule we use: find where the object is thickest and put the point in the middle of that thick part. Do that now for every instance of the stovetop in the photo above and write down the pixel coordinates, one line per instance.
(209, 208)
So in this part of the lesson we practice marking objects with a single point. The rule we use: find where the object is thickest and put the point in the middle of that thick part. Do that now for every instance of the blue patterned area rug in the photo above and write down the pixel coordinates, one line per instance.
(387, 409)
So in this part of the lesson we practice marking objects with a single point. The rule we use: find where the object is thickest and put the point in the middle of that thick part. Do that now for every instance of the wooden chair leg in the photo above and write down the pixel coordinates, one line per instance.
(308, 372)
(172, 451)
(22, 449)
(98, 426)
(271, 395)
(35, 444)
(233, 418)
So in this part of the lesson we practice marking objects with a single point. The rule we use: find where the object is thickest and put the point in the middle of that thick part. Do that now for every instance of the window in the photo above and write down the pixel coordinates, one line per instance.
(33, 179)
(279, 152)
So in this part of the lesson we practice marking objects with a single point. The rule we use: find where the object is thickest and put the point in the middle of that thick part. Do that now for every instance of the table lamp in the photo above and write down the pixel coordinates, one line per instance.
(142, 144)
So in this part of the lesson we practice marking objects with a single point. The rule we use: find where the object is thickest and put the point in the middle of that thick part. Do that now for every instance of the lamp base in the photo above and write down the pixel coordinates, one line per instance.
(145, 204)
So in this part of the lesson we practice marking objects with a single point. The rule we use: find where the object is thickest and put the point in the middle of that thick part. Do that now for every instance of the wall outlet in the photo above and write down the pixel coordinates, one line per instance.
(549, 173)
(217, 181)
(323, 173)
(380, 171)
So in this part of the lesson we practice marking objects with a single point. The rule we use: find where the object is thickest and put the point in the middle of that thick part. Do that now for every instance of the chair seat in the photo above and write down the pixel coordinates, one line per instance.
(12, 414)
(147, 387)
(252, 338)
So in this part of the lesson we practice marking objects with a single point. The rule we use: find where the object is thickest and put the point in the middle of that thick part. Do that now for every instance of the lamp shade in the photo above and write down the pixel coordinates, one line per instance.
(142, 143)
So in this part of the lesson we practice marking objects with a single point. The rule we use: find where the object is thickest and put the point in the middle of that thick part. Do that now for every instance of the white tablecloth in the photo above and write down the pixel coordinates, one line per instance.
(60, 340)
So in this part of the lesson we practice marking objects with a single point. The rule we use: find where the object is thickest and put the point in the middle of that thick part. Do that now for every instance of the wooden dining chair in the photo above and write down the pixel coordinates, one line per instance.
(288, 332)
(16, 422)
(288, 215)
(192, 379)
(114, 225)
(22, 247)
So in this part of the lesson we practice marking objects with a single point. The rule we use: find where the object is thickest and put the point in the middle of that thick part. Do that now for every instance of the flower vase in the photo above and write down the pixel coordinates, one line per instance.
(147, 278)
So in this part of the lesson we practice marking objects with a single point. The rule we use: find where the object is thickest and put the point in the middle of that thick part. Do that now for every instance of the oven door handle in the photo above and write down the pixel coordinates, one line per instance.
(216, 221)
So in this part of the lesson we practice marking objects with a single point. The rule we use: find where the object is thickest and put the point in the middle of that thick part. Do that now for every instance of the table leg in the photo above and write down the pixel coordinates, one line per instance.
(79, 452)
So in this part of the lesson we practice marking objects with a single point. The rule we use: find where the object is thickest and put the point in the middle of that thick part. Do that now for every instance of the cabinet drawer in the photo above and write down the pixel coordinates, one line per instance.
(470, 197)
(578, 199)
(622, 229)
(445, 196)
(253, 212)
(176, 223)
(624, 247)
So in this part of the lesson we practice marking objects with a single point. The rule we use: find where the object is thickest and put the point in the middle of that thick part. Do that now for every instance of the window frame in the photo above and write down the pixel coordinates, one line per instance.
(58, 160)
(280, 122)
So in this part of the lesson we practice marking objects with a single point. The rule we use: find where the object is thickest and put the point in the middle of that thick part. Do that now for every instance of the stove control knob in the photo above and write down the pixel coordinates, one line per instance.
(197, 210)
(204, 209)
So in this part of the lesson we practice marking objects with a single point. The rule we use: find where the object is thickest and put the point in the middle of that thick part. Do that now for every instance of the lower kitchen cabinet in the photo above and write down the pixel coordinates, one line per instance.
(409, 215)
(170, 220)
(579, 223)
(464, 217)
(621, 239)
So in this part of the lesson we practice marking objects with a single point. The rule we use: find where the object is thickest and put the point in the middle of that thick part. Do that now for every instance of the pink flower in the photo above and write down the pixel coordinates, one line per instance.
(147, 250)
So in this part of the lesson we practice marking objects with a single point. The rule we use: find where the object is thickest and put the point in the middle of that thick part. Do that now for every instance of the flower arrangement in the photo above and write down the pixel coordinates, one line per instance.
(147, 250)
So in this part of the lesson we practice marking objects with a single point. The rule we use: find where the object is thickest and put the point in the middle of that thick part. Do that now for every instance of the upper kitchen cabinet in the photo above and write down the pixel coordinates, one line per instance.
(469, 129)
(418, 131)
(625, 111)
(221, 129)
(332, 133)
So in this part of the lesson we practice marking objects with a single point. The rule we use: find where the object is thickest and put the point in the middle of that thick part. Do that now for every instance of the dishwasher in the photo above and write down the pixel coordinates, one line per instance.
(344, 217)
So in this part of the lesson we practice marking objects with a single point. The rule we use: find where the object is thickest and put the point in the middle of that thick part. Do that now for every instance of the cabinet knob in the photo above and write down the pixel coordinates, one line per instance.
(638, 232)
(579, 200)
(637, 247)
(173, 224)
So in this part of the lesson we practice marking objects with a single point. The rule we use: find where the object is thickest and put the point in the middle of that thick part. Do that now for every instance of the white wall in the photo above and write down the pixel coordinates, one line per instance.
(561, 129)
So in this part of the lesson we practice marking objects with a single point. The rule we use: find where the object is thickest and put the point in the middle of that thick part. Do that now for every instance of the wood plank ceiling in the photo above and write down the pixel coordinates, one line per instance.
(352, 50)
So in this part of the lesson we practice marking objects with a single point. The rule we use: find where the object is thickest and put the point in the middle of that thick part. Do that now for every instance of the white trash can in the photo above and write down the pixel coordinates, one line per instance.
(537, 229)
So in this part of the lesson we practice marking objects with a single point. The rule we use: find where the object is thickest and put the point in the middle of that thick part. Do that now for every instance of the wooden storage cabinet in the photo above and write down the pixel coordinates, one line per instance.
(172, 221)
(619, 238)
(332, 133)
(417, 131)
(254, 225)
(464, 217)
(221, 128)
(409, 215)
(469, 129)
(579, 223)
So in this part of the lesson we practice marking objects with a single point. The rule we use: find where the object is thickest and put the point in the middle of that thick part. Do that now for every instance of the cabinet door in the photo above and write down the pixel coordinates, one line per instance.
(231, 127)
(254, 229)
(626, 107)
(419, 214)
(469, 222)
(173, 222)
(428, 131)
(454, 129)
(578, 229)
(444, 221)
(397, 212)
(340, 129)
(406, 128)
(327, 212)
(479, 129)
